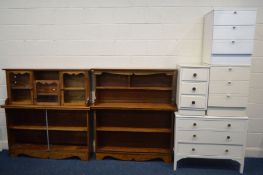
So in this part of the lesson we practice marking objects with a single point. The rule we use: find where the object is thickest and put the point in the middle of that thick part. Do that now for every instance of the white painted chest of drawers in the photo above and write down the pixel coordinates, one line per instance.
(193, 89)
(210, 137)
(229, 36)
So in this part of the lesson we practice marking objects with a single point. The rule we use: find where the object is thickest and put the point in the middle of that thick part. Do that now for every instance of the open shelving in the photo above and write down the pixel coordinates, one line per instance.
(134, 113)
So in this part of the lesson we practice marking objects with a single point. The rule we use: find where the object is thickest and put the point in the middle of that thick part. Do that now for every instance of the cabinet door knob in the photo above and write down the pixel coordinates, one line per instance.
(233, 42)
(228, 96)
(235, 12)
(193, 102)
(193, 149)
(228, 137)
(14, 76)
(229, 82)
(229, 125)
(194, 124)
(194, 136)
(226, 150)
(230, 69)
(53, 89)
(194, 74)
(15, 82)
(194, 89)
(234, 27)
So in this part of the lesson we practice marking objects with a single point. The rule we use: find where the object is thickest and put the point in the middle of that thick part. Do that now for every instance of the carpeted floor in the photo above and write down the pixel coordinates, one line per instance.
(33, 166)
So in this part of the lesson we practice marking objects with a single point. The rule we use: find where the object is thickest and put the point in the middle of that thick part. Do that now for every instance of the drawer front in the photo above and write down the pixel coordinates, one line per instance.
(191, 101)
(217, 125)
(231, 60)
(193, 88)
(228, 100)
(232, 46)
(229, 87)
(239, 17)
(229, 73)
(234, 32)
(210, 150)
(210, 137)
(194, 74)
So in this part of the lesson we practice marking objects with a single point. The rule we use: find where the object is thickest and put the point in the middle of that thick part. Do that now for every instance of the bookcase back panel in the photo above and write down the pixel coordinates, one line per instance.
(135, 140)
(46, 75)
(154, 80)
(108, 79)
(67, 118)
(20, 95)
(26, 117)
(68, 138)
(29, 137)
(74, 80)
(133, 118)
(74, 96)
(141, 96)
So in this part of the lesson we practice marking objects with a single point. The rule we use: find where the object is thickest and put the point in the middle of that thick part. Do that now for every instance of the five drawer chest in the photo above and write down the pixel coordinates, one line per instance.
(212, 98)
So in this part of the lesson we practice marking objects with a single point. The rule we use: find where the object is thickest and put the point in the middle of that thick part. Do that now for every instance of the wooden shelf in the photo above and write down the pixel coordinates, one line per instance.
(73, 88)
(67, 128)
(138, 106)
(48, 93)
(28, 127)
(21, 88)
(132, 149)
(130, 129)
(30, 147)
(68, 148)
(51, 128)
(135, 88)
(55, 107)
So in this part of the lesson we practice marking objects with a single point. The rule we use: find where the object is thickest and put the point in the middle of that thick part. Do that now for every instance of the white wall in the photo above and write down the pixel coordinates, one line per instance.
(117, 33)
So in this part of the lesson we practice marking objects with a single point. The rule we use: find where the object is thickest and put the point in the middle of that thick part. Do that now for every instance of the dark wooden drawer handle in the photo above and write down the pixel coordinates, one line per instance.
(193, 102)
(195, 75)
(194, 124)
(229, 125)
(194, 136)
(194, 89)
(193, 149)
(228, 137)
(226, 150)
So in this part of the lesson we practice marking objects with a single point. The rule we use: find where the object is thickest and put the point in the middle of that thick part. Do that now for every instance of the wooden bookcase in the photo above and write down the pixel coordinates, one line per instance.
(134, 113)
(47, 113)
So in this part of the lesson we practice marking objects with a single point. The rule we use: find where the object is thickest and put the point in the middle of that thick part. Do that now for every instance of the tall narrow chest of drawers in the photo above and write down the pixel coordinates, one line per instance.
(219, 129)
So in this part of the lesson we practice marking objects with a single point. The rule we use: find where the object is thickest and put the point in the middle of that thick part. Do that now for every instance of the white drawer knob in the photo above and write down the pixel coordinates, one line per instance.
(53, 89)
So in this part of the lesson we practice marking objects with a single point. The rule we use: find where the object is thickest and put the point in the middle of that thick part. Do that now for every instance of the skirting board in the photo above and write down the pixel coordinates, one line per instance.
(254, 152)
